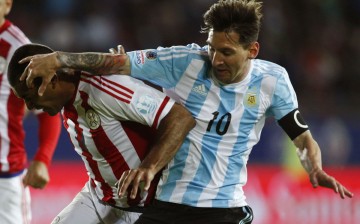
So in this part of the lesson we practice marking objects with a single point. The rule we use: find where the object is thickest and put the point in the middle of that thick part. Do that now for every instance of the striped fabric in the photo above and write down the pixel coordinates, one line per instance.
(209, 170)
(98, 124)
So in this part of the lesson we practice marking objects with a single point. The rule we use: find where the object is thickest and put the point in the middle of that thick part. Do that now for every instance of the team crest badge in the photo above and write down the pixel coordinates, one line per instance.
(92, 119)
(151, 55)
(251, 98)
(2, 65)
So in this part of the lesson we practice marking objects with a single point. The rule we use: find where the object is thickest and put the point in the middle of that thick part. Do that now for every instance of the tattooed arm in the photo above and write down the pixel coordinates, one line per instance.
(46, 65)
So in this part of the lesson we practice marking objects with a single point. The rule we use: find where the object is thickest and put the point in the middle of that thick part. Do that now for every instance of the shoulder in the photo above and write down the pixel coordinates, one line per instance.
(15, 35)
(110, 86)
(183, 50)
(263, 67)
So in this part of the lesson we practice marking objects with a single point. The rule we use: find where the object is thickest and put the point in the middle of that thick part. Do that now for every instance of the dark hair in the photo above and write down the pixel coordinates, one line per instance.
(240, 16)
(15, 69)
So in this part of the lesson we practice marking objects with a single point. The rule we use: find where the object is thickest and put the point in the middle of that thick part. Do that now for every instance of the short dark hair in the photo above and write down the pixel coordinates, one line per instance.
(15, 69)
(240, 16)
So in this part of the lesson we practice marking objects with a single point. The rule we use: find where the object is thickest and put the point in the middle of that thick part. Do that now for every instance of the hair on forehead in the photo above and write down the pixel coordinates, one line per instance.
(15, 69)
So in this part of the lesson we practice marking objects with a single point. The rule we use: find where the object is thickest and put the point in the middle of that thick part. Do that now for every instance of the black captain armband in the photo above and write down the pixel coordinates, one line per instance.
(293, 124)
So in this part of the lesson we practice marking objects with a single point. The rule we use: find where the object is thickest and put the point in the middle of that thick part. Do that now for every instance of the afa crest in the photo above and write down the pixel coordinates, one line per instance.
(251, 98)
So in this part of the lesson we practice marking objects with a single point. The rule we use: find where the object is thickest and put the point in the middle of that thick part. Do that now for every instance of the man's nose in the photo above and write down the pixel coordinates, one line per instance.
(217, 59)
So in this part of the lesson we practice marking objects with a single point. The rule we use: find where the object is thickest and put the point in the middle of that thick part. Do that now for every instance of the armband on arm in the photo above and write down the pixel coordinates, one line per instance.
(293, 124)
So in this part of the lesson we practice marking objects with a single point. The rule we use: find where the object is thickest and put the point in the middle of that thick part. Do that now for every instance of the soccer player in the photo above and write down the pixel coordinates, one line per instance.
(230, 93)
(15, 172)
(111, 121)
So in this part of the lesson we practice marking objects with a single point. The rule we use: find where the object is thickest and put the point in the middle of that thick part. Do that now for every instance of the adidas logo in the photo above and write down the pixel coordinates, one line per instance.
(200, 89)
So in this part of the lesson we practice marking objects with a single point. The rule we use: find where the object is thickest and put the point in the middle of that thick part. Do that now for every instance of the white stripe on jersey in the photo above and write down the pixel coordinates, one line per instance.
(118, 91)
(218, 173)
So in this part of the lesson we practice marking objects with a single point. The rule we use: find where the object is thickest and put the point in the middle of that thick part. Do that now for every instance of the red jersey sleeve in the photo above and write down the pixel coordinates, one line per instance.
(49, 132)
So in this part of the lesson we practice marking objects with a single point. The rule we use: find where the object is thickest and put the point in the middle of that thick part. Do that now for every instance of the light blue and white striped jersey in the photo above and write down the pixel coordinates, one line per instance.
(209, 170)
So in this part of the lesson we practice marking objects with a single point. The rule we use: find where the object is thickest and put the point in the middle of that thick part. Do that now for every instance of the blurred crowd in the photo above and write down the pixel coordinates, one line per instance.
(318, 41)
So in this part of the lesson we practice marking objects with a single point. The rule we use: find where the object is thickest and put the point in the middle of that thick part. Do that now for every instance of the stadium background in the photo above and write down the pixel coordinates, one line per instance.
(316, 40)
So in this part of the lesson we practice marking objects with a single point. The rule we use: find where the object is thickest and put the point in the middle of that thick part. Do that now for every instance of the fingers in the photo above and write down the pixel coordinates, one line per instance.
(112, 51)
(324, 180)
(348, 193)
(27, 72)
(44, 84)
(27, 76)
(133, 178)
(127, 178)
(121, 184)
(136, 183)
(121, 49)
(313, 180)
(147, 183)
(33, 181)
(24, 74)
(340, 189)
(27, 59)
(344, 192)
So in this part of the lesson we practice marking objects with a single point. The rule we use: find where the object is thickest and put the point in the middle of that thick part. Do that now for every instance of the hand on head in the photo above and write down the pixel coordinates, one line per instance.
(41, 65)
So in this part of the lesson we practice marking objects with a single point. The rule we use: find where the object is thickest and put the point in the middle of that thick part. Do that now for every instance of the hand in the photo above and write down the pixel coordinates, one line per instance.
(134, 177)
(320, 178)
(41, 65)
(37, 175)
(120, 50)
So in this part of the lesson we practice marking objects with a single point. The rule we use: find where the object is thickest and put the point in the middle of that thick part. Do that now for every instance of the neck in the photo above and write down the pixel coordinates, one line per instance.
(2, 21)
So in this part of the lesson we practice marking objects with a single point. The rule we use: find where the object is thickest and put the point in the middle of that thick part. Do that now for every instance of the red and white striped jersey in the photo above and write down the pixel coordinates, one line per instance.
(111, 122)
(12, 152)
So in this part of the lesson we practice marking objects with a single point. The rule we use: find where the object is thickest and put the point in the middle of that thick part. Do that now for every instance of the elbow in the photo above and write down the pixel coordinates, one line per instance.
(191, 122)
(183, 117)
(189, 119)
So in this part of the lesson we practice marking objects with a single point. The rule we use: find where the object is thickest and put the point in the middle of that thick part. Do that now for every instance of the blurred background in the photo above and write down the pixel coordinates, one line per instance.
(317, 41)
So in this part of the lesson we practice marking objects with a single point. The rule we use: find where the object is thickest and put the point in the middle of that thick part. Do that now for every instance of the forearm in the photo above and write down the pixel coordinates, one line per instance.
(309, 152)
(49, 133)
(95, 63)
(170, 136)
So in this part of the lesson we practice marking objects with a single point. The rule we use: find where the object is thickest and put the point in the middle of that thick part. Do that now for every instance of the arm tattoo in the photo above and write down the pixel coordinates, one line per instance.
(95, 63)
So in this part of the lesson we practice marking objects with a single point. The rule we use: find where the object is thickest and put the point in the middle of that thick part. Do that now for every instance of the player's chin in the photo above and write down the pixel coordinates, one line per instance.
(223, 76)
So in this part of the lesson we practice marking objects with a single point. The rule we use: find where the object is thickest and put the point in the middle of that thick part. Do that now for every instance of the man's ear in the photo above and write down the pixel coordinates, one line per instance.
(254, 50)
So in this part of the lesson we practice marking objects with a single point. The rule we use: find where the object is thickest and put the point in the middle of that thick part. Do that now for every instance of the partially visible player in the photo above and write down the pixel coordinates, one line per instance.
(14, 193)
(111, 122)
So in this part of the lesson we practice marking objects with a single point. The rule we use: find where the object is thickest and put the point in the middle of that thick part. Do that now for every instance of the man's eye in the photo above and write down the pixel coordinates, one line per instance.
(227, 53)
